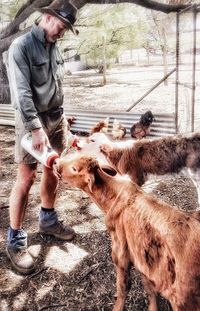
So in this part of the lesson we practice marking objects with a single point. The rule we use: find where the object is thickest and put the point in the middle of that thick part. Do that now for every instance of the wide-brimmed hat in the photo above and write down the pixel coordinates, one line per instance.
(64, 11)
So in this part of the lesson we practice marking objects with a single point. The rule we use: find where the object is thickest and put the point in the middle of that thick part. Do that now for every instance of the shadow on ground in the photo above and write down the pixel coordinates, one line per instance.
(75, 276)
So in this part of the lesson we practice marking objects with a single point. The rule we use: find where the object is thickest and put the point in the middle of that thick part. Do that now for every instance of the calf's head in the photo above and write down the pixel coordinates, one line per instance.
(83, 172)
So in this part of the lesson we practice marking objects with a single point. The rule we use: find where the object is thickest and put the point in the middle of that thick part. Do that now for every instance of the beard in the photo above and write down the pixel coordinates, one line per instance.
(51, 39)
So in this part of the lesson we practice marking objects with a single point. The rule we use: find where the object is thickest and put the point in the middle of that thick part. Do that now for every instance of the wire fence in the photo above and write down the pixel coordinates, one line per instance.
(188, 69)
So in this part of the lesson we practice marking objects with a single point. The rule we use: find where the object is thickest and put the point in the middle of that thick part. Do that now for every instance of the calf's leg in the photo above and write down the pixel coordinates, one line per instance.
(120, 257)
(123, 279)
(151, 294)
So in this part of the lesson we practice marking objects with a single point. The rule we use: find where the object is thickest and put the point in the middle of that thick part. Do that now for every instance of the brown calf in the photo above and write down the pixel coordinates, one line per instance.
(159, 156)
(162, 243)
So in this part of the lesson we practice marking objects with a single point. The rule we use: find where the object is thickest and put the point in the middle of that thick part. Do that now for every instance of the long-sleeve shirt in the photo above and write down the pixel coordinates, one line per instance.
(35, 76)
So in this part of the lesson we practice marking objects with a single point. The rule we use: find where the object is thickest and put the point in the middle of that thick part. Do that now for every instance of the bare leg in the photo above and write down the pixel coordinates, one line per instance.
(16, 248)
(48, 188)
(48, 221)
(19, 195)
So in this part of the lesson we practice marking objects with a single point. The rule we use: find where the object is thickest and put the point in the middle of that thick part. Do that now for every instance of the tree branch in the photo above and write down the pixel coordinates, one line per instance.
(22, 15)
(31, 5)
(23, 7)
(149, 4)
(5, 43)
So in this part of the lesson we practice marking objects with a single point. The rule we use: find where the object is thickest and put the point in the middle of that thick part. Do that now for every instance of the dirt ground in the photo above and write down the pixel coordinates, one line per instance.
(84, 90)
(75, 276)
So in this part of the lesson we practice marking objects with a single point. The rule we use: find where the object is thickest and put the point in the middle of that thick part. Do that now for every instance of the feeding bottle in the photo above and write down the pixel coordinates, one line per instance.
(46, 157)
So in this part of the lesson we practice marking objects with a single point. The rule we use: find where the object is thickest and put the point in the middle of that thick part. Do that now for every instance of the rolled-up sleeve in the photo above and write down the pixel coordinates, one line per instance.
(20, 81)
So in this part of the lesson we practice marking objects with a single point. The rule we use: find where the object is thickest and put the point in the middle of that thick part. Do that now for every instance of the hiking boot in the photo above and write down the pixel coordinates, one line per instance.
(49, 224)
(59, 230)
(21, 260)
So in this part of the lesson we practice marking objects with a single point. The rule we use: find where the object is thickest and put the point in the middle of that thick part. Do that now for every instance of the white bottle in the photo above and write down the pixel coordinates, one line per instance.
(46, 157)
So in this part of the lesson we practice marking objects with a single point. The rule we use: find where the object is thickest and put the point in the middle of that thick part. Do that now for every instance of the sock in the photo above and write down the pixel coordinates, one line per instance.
(47, 217)
(47, 209)
(17, 239)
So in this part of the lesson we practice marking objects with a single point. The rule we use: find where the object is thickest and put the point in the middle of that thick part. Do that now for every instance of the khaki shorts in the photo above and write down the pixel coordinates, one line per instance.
(56, 130)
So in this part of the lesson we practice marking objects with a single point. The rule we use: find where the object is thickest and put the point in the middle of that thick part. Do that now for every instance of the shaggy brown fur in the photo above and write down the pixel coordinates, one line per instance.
(162, 242)
(160, 156)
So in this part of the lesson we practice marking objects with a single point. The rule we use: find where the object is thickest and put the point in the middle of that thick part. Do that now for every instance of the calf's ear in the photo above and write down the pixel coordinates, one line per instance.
(106, 170)
(109, 170)
(90, 180)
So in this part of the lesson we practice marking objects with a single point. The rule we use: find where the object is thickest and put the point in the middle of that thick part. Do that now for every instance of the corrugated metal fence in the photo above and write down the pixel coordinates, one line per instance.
(163, 125)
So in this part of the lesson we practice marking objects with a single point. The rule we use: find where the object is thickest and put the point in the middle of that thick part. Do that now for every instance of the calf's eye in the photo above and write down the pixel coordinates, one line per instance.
(74, 169)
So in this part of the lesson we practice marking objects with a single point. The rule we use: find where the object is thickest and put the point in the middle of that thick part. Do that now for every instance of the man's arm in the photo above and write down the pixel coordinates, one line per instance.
(20, 79)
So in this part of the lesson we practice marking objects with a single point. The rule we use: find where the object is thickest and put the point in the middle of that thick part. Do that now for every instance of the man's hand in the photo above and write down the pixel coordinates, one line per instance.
(39, 139)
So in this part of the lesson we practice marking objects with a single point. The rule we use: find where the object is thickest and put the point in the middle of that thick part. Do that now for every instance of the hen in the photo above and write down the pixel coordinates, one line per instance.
(118, 131)
(71, 120)
(101, 126)
(142, 128)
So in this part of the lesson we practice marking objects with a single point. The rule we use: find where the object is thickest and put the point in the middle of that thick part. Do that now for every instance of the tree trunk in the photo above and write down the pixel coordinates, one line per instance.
(164, 50)
(148, 53)
(104, 60)
(4, 85)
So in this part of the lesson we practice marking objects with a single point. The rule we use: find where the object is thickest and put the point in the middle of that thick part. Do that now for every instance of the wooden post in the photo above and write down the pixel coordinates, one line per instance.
(194, 67)
(165, 54)
(177, 71)
(104, 60)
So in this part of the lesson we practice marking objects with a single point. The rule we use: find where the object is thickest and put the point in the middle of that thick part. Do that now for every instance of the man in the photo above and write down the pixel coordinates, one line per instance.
(35, 82)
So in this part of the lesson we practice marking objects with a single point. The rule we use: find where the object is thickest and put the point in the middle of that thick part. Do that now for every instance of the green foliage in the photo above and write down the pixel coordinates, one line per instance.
(8, 9)
(119, 25)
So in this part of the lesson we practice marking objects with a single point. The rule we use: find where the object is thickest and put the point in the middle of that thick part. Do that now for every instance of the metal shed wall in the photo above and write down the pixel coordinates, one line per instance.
(163, 125)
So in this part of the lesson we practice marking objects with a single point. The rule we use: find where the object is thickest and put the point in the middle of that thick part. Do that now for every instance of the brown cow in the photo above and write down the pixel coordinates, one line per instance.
(159, 156)
(163, 243)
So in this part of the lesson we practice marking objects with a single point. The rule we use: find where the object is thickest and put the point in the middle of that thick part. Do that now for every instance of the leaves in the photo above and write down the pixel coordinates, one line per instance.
(117, 24)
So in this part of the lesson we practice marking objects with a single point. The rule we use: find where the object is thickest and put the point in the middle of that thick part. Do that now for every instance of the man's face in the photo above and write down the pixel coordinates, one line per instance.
(55, 29)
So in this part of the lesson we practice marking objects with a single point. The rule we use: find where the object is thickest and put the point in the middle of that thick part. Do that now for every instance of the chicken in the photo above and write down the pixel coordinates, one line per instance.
(101, 126)
(142, 128)
(118, 131)
(71, 121)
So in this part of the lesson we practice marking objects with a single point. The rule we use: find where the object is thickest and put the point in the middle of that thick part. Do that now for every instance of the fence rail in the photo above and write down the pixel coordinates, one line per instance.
(163, 125)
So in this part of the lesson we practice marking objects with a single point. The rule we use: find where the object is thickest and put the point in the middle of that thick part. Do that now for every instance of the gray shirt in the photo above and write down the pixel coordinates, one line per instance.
(35, 76)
